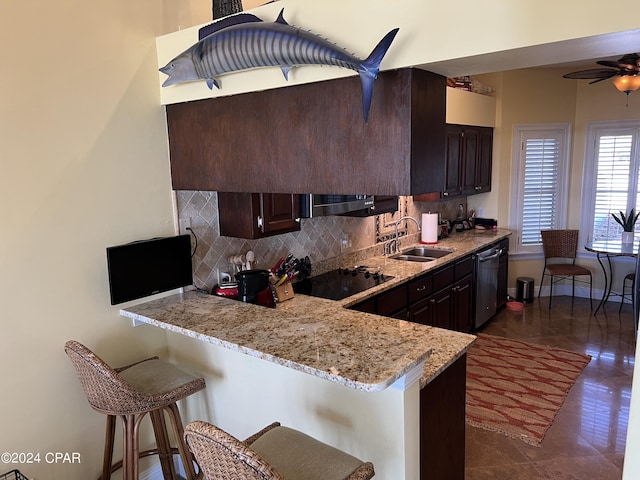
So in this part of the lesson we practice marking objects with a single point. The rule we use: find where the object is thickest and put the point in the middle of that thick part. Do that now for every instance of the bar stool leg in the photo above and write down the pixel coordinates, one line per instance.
(185, 453)
(129, 462)
(163, 444)
(108, 447)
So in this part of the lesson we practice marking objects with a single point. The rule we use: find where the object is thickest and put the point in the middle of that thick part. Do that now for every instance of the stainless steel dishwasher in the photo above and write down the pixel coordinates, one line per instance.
(486, 263)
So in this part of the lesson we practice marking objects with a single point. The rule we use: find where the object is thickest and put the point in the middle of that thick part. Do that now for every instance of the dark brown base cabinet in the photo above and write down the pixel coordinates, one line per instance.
(443, 298)
(257, 215)
(442, 424)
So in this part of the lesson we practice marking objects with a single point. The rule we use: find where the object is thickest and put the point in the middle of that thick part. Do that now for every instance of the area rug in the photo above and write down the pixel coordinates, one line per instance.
(516, 388)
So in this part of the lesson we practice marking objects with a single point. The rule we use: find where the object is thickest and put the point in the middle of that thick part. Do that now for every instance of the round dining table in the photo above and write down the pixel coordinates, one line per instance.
(608, 249)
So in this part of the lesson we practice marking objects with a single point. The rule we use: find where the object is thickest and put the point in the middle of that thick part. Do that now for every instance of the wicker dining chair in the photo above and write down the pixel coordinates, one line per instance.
(273, 453)
(560, 246)
(150, 386)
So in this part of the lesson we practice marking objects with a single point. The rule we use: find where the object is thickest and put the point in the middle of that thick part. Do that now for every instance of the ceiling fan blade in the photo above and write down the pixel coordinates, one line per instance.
(601, 79)
(629, 63)
(598, 73)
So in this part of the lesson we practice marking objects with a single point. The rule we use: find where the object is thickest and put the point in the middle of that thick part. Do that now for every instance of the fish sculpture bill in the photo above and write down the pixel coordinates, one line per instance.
(244, 41)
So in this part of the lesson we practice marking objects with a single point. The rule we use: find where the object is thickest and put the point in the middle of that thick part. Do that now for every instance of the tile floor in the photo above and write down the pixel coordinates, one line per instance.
(587, 438)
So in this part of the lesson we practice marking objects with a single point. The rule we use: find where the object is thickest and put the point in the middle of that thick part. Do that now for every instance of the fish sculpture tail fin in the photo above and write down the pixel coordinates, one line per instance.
(369, 70)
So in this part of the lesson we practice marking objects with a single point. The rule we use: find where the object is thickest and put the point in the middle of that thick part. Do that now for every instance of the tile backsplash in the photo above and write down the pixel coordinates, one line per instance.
(319, 238)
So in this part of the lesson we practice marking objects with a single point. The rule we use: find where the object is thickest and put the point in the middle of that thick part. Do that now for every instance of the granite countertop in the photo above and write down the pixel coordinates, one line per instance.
(362, 351)
(323, 337)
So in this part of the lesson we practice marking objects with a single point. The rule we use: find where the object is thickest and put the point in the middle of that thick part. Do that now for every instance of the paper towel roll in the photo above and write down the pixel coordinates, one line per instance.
(429, 228)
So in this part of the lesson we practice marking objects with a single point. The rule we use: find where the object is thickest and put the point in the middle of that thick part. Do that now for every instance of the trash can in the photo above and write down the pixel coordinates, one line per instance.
(524, 290)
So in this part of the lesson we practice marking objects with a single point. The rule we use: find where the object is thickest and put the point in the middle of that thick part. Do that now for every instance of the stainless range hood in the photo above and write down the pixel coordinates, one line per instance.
(323, 205)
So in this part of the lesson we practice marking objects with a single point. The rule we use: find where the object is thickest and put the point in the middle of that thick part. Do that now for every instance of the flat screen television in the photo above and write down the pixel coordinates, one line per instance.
(146, 267)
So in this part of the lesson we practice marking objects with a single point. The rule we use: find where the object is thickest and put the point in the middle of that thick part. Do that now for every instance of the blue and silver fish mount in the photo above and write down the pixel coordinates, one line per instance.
(244, 41)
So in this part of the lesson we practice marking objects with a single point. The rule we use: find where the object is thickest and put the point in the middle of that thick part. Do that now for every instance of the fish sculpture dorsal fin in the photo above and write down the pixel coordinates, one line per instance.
(281, 19)
(227, 22)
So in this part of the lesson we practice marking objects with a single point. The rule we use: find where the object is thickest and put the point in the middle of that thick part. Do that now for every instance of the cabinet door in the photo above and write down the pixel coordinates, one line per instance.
(442, 308)
(422, 311)
(469, 151)
(469, 159)
(463, 298)
(484, 160)
(452, 158)
(257, 215)
(280, 213)
(392, 302)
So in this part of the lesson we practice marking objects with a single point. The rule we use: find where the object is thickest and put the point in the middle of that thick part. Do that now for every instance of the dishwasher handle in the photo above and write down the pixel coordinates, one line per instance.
(490, 257)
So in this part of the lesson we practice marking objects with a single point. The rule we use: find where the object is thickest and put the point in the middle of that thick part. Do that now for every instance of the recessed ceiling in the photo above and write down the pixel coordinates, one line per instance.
(573, 54)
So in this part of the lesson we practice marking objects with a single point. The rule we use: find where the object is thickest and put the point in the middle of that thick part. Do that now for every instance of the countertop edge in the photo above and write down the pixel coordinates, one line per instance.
(333, 377)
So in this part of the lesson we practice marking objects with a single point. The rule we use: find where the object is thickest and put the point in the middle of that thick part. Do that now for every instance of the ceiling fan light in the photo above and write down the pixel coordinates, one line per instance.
(626, 83)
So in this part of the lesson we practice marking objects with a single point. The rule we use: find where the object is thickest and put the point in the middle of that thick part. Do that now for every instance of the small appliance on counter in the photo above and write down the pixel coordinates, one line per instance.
(486, 224)
(253, 287)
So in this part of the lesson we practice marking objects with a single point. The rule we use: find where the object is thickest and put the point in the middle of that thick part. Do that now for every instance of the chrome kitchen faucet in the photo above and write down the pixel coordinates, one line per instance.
(396, 241)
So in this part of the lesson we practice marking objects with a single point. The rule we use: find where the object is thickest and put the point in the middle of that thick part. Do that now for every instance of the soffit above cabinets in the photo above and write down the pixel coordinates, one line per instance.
(312, 138)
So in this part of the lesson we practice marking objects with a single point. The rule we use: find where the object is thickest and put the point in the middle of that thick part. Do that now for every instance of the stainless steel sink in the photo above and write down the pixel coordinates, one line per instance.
(421, 254)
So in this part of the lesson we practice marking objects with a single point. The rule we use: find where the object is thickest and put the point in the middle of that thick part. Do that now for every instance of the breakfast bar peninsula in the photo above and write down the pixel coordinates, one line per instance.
(358, 381)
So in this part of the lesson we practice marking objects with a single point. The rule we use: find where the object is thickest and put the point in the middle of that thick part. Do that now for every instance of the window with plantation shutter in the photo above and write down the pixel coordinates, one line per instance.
(539, 182)
(613, 155)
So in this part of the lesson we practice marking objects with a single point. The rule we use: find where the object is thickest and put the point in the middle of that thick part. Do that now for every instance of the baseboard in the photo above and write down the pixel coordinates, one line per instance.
(581, 292)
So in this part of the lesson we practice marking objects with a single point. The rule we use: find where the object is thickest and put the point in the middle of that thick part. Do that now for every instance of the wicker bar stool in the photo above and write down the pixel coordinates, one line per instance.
(149, 386)
(274, 453)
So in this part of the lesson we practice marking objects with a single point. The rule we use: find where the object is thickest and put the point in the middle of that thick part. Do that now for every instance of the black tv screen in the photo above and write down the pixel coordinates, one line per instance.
(143, 268)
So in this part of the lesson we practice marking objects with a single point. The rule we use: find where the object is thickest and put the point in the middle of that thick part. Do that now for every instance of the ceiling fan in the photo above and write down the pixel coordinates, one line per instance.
(625, 73)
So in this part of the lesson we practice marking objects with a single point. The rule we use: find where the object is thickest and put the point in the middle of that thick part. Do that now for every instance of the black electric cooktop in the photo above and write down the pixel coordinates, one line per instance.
(341, 283)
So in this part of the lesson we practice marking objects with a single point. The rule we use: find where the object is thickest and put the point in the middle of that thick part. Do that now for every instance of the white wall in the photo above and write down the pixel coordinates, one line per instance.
(83, 165)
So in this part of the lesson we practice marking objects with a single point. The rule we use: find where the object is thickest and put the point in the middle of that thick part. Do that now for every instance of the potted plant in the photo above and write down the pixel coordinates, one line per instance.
(628, 223)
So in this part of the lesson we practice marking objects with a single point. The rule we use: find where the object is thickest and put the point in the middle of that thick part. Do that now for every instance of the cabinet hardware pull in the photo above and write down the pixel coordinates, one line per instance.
(421, 289)
(260, 221)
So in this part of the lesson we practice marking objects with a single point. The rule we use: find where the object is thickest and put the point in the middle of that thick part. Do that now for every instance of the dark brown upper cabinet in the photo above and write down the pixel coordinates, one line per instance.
(469, 151)
(312, 138)
(257, 215)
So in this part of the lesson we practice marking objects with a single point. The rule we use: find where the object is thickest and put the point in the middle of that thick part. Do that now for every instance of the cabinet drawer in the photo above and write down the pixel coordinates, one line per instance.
(391, 302)
(443, 278)
(464, 267)
(420, 288)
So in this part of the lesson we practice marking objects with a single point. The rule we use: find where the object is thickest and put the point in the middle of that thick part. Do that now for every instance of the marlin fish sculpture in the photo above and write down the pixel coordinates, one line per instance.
(244, 41)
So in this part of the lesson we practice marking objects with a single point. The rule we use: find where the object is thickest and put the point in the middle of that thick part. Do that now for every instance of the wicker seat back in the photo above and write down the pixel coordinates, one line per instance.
(273, 453)
(105, 390)
(561, 247)
(221, 455)
(560, 243)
